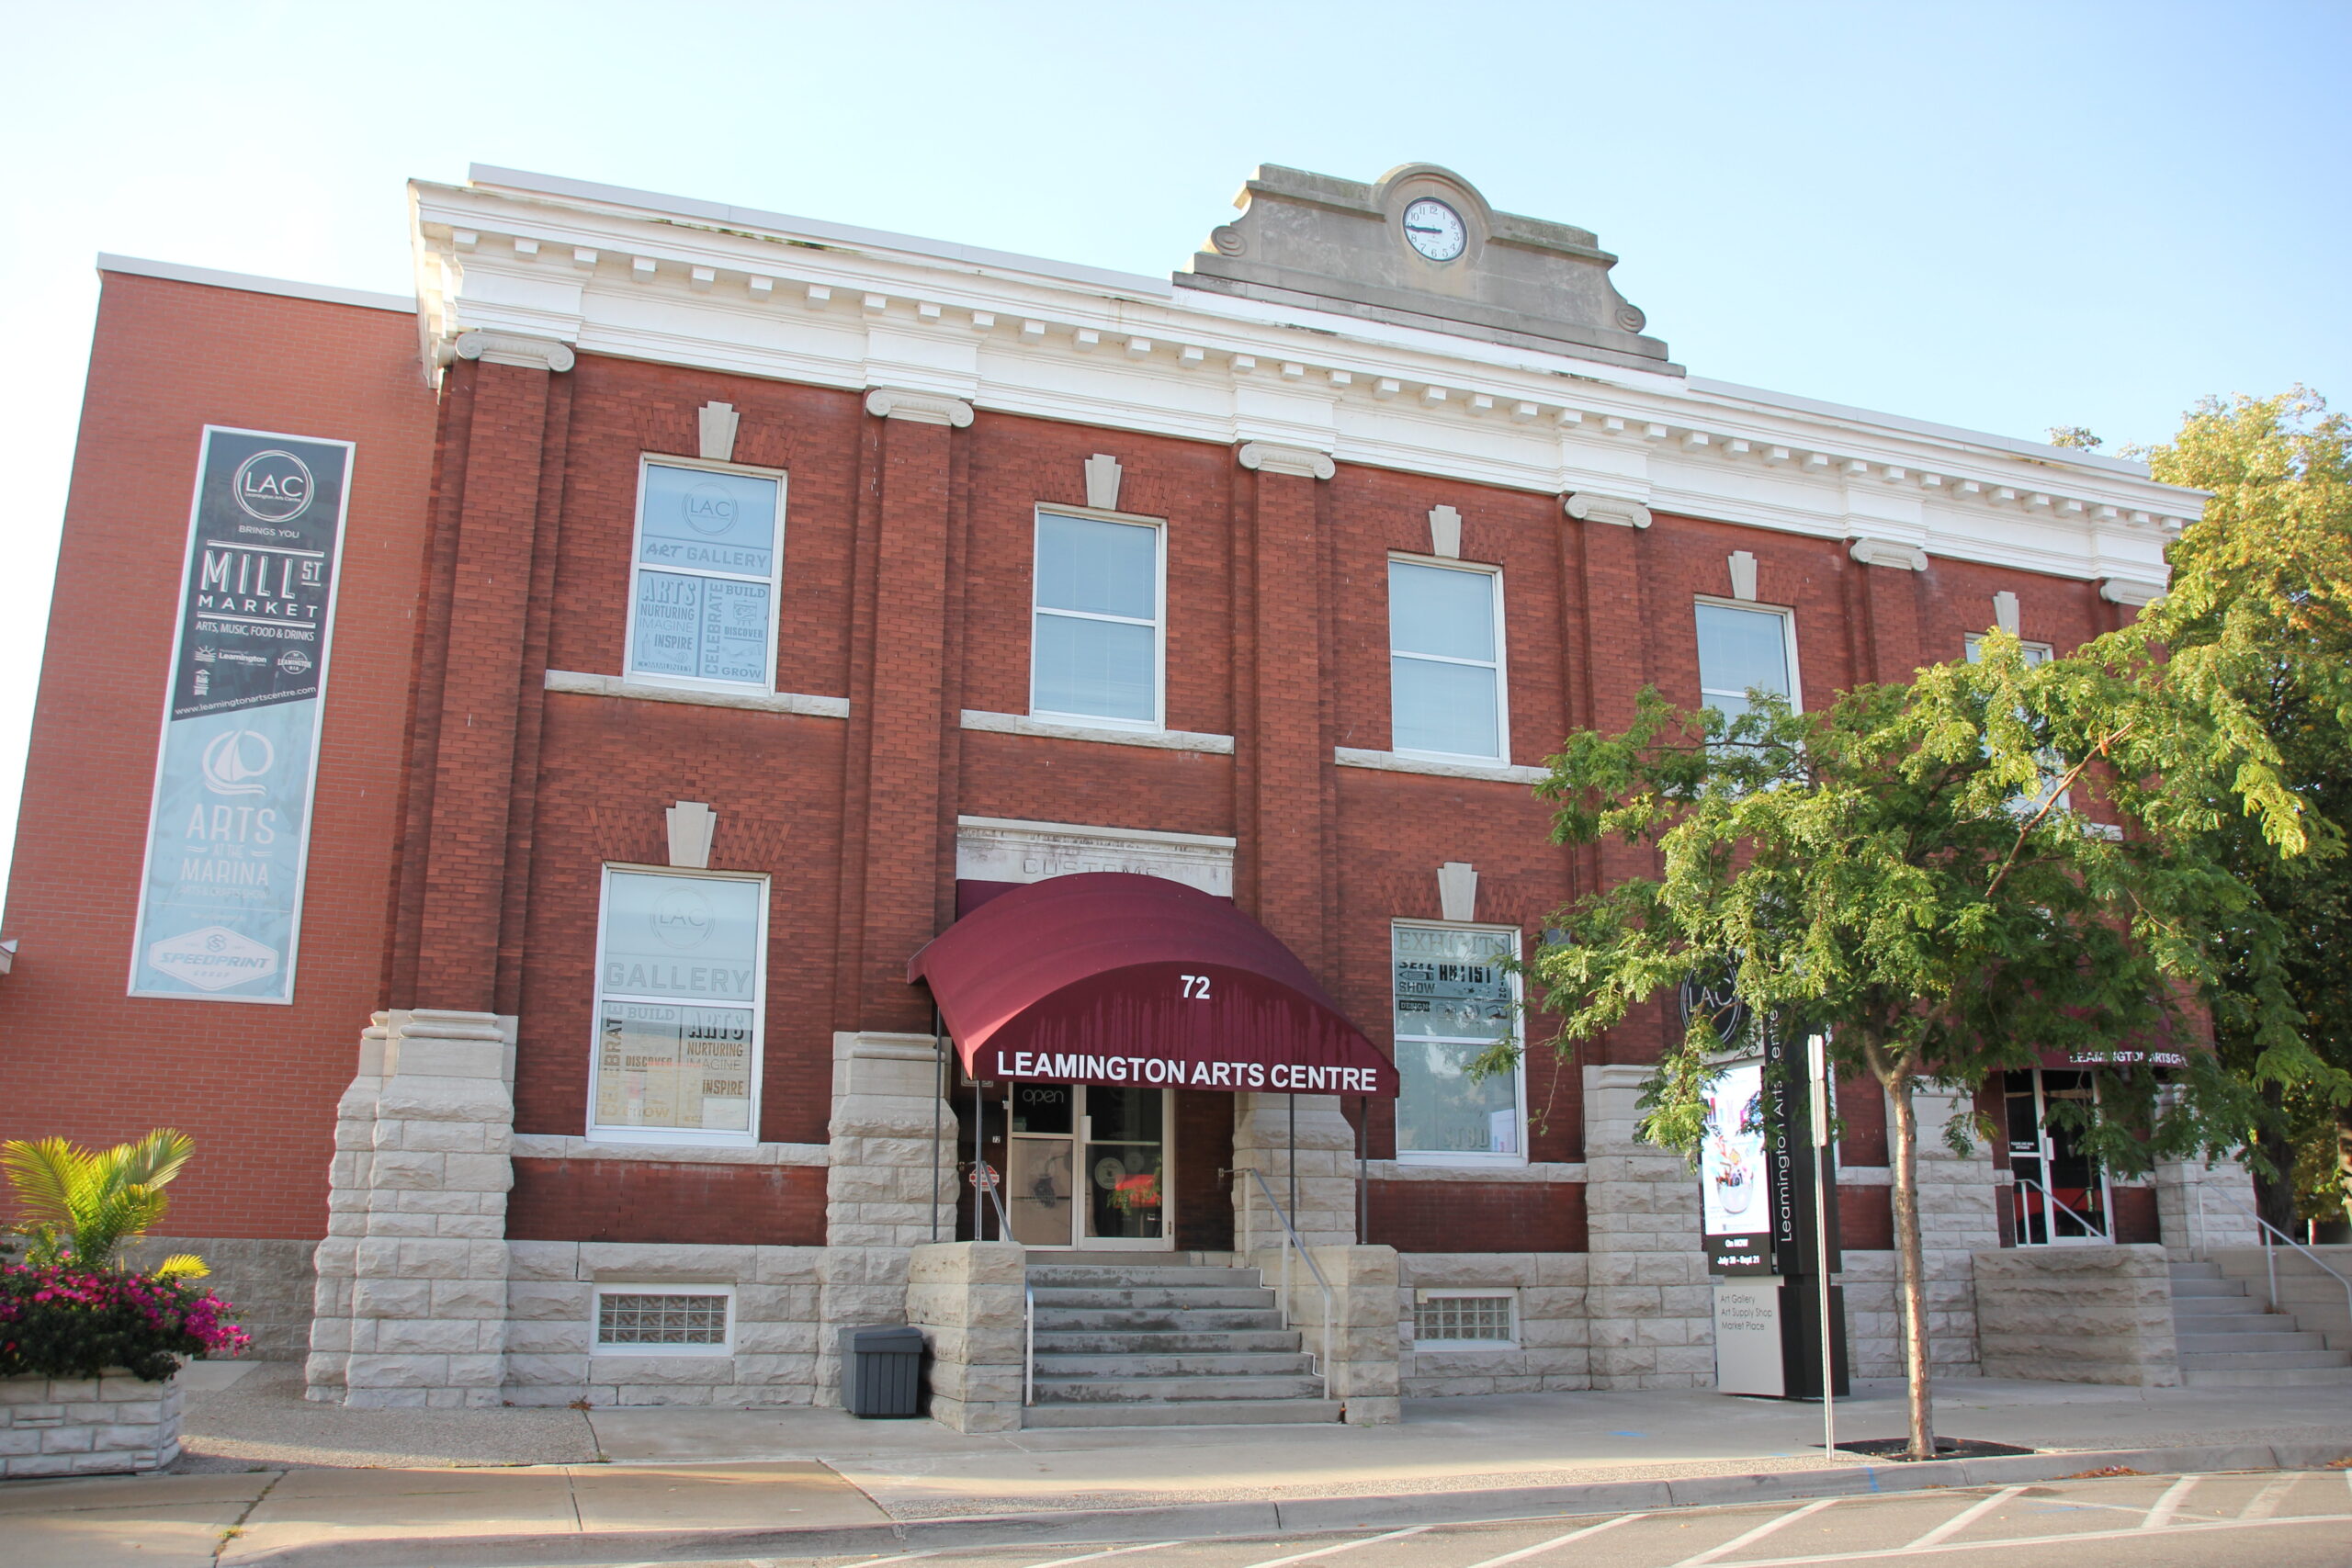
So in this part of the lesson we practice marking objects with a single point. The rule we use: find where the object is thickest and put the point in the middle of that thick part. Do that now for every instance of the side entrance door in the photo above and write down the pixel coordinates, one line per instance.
(2060, 1199)
(1087, 1166)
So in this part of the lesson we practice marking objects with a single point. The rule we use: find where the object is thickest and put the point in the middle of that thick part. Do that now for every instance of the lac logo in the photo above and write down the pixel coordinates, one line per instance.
(274, 486)
(709, 509)
(233, 760)
(682, 919)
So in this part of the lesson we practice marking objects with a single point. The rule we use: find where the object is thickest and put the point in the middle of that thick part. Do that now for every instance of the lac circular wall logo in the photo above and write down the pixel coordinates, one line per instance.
(682, 919)
(272, 486)
(709, 509)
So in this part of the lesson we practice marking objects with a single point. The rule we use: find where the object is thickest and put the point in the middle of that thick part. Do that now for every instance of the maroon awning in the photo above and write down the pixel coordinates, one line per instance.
(1108, 977)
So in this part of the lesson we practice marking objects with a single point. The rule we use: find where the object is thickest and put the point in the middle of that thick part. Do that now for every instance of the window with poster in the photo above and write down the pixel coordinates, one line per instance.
(702, 590)
(1455, 998)
(680, 990)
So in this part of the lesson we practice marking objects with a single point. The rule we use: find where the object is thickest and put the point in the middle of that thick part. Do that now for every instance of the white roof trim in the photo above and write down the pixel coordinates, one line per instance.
(491, 179)
(324, 293)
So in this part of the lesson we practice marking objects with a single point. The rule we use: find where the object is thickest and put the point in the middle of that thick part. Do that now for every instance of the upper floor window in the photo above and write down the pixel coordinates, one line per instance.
(1445, 665)
(1096, 627)
(1744, 649)
(2053, 766)
(679, 993)
(1455, 998)
(702, 605)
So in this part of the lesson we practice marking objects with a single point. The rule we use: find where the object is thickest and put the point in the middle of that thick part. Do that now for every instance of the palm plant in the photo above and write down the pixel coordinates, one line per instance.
(81, 1206)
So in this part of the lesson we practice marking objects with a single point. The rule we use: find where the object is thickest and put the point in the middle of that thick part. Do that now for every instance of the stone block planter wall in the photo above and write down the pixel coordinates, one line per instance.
(2099, 1314)
(102, 1426)
(269, 1283)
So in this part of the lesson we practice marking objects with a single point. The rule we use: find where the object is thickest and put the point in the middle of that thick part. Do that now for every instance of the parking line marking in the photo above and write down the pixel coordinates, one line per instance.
(1965, 1518)
(2166, 1506)
(2265, 1502)
(1112, 1552)
(1527, 1551)
(1758, 1533)
(1883, 1553)
(1325, 1551)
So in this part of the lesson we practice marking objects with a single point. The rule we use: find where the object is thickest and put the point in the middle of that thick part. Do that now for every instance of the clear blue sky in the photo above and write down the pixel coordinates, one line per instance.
(2005, 217)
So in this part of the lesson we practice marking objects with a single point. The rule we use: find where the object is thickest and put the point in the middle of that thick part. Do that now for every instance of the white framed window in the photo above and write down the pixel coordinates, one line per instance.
(1446, 692)
(2053, 766)
(1454, 999)
(702, 574)
(1098, 630)
(680, 994)
(1745, 648)
(631, 1319)
(1465, 1320)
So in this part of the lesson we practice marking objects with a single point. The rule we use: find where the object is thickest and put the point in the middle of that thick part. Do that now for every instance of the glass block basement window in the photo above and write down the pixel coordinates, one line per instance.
(1456, 1319)
(635, 1318)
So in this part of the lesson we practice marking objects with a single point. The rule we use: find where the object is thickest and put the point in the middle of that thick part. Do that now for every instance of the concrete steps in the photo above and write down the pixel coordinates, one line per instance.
(2229, 1339)
(1165, 1344)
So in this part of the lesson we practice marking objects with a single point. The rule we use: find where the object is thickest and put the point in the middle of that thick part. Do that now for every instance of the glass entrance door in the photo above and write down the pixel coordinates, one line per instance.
(1087, 1166)
(2060, 1198)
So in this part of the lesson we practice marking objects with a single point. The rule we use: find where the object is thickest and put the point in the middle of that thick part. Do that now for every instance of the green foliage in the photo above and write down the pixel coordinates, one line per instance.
(2260, 608)
(83, 1205)
(1900, 872)
(2075, 436)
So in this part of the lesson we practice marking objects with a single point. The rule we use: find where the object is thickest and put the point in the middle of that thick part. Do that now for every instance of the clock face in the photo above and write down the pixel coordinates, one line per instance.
(1435, 229)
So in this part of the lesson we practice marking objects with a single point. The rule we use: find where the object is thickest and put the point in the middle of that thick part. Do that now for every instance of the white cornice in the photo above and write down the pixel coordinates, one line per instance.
(760, 295)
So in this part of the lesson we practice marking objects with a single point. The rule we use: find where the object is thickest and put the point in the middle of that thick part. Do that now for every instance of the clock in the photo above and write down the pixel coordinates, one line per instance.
(1435, 229)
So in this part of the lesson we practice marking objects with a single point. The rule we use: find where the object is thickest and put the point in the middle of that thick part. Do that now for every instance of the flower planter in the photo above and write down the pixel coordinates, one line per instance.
(108, 1425)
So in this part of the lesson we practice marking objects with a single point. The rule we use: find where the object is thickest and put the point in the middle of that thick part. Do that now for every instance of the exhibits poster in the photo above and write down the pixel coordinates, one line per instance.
(1735, 1188)
(228, 829)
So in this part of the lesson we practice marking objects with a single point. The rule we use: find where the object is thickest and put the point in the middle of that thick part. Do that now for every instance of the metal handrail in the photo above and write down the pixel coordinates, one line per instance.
(2056, 1203)
(990, 1179)
(1290, 1241)
(2269, 1257)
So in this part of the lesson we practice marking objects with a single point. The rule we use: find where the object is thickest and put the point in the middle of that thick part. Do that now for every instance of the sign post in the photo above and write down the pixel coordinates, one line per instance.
(1818, 1081)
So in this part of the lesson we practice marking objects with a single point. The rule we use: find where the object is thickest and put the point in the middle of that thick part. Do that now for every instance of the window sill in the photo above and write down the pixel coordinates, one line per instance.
(1451, 1346)
(1158, 739)
(1394, 762)
(755, 702)
(1471, 1170)
(560, 1146)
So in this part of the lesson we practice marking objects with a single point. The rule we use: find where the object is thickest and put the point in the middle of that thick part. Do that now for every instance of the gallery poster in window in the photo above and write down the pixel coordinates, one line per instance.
(221, 896)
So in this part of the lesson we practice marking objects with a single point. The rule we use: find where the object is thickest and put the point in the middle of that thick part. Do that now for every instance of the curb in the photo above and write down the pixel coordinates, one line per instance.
(1306, 1513)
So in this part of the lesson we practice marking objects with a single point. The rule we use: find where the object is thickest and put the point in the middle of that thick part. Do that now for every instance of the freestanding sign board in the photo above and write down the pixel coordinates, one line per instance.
(1757, 1190)
(229, 830)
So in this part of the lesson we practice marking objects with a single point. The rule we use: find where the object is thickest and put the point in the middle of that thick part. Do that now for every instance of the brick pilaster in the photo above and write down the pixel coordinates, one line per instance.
(1280, 868)
(466, 855)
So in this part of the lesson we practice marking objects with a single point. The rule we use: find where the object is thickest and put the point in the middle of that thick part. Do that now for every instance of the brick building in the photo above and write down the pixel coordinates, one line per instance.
(731, 603)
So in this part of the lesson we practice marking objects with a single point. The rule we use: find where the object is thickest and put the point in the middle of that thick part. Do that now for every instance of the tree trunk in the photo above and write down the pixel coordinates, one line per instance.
(2344, 1156)
(2274, 1197)
(1912, 1272)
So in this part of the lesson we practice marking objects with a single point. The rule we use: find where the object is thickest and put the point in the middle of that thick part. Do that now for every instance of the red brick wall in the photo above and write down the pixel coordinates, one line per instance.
(1865, 1219)
(255, 1085)
(1479, 1216)
(678, 1204)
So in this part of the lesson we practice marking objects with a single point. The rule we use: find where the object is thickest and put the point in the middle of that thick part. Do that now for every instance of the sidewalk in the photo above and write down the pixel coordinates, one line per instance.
(303, 1484)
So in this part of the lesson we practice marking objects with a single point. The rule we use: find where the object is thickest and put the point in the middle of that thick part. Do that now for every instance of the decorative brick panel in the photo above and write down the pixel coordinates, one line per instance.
(683, 1204)
(1479, 1216)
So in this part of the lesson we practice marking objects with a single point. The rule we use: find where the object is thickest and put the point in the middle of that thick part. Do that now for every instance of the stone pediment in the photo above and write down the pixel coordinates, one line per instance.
(1343, 246)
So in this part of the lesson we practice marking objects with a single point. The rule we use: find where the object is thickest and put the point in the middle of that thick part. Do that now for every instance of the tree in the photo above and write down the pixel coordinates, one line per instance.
(2262, 593)
(1917, 874)
(83, 1204)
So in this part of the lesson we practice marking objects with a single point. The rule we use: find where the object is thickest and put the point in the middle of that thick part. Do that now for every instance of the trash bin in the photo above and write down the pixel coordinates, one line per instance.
(882, 1372)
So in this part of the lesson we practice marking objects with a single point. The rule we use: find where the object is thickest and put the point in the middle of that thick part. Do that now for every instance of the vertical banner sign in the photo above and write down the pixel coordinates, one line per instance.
(221, 898)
